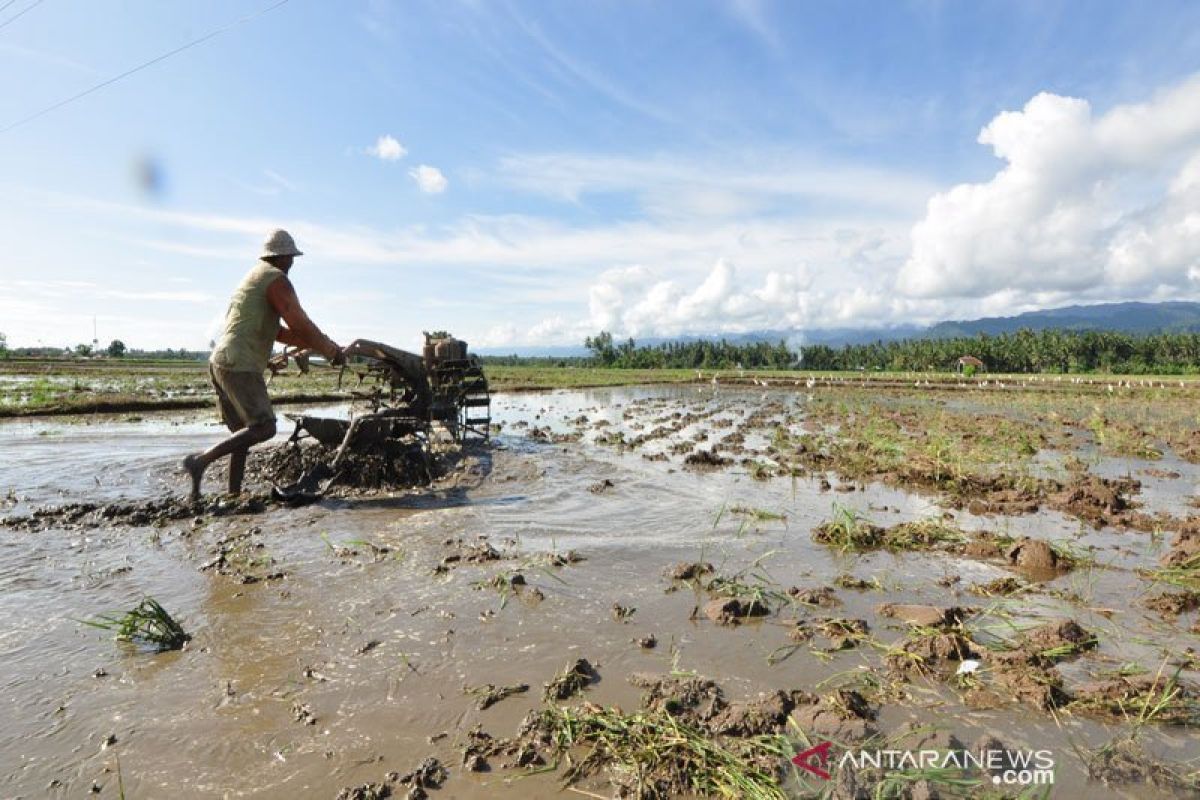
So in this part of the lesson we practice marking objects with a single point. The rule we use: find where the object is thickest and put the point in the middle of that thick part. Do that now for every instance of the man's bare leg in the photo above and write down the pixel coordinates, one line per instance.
(242, 441)
(237, 470)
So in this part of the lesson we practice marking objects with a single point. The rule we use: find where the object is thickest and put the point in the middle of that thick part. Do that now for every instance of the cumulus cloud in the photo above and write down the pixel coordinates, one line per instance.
(430, 179)
(1084, 201)
(631, 301)
(387, 148)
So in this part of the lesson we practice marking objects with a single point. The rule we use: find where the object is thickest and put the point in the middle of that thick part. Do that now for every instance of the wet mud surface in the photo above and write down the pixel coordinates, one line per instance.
(758, 570)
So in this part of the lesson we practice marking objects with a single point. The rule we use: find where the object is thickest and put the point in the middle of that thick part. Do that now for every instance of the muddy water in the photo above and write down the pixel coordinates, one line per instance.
(379, 648)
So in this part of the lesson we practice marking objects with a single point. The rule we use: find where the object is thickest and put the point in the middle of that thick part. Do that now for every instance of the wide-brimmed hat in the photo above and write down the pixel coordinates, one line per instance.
(280, 243)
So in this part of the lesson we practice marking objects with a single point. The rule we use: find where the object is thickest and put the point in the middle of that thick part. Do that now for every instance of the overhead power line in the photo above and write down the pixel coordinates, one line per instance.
(6, 5)
(20, 13)
(140, 67)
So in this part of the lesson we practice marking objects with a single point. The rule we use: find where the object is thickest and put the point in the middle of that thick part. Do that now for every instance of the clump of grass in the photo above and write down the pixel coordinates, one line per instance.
(147, 622)
(650, 753)
(848, 530)
(922, 535)
(1185, 574)
(761, 470)
(1143, 700)
(752, 585)
(572, 680)
(756, 595)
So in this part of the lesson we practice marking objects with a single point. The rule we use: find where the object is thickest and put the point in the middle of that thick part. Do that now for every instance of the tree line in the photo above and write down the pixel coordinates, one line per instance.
(1025, 350)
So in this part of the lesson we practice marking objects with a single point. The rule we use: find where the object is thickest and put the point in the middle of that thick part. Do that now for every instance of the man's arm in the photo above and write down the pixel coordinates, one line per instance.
(300, 331)
(288, 336)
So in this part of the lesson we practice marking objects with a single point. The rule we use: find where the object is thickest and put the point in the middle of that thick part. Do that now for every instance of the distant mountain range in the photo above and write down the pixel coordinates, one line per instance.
(1141, 318)
(1174, 317)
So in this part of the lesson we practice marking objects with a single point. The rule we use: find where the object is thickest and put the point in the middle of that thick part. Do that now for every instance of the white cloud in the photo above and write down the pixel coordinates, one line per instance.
(430, 179)
(728, 187)
(633, 302)
(387, 148)
(497, 336)
(1084, 203)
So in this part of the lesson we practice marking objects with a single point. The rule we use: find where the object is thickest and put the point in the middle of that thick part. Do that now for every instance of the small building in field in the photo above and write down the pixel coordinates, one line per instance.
(970, 361)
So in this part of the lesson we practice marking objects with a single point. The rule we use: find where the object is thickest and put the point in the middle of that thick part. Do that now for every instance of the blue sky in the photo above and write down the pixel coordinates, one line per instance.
(534, 172)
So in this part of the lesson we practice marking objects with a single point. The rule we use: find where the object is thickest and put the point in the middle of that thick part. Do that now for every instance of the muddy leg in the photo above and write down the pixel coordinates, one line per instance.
(237, 470)
(241, 441)
(195, 471)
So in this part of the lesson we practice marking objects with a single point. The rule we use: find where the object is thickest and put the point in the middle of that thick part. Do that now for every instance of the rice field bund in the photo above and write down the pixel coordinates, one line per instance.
(729, 585)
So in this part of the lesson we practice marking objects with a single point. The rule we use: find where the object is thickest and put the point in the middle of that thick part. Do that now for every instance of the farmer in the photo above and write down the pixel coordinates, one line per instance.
(252, 326)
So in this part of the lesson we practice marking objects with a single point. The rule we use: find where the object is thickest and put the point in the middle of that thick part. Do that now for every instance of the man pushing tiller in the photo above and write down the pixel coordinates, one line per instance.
(236, 367)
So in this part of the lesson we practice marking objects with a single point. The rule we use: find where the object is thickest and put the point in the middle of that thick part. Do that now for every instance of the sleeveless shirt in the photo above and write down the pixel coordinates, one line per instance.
(251, 324)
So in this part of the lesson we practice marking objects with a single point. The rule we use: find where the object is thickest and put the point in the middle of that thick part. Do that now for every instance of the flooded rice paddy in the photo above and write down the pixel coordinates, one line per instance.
(756, 538)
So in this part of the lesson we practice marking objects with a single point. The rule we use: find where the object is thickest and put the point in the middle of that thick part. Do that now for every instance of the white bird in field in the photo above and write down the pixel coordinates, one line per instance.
(714, 380)
(811, 382)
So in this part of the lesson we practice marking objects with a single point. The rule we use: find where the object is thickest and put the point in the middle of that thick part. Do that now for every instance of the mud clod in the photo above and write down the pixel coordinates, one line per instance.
(842, 715)
(1186, 547)
(823, 597)
(1172, 604)
(490, 694)
(842, 633)
(1125, 761)
(1100, 501)
(924, 616)
(847, 581)
(1058, 640)
(692, 698)
(706, 459)
(930, 653)
(368, 791)
(689, 571)
(732, 610)
(1036, 557)
(303, 713)
(571, 681)
(767, 714)
(622, 613)
(134, 514)
(1006, 586)
(1161, 698)
(1028, 677)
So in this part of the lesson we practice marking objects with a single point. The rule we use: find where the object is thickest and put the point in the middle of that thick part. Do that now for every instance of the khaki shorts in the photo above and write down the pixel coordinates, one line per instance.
(241, 398)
